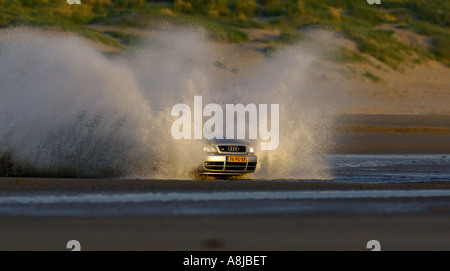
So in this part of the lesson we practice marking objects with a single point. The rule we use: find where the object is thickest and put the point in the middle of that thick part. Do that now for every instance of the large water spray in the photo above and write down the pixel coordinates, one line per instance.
(68, 110)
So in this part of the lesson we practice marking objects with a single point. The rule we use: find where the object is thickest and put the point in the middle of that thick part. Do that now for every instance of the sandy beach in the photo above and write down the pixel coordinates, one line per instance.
(362, 134)
(342, 230)
(270, 233)
(384, 133)
(407, 112)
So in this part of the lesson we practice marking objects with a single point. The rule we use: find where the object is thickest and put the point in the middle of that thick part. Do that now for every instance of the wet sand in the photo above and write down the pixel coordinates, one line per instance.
(341, 230)
(393, 134)
(35, 185)
(332, 231)
(268, 233)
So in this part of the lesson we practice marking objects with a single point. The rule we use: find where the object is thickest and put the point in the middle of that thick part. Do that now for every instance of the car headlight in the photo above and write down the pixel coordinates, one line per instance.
(250, 149)
(210, 148)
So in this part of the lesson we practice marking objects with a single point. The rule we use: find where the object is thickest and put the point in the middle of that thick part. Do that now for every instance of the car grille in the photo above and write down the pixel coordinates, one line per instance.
(236, 166)
(214, 165)
(230, 166)
(232, 149)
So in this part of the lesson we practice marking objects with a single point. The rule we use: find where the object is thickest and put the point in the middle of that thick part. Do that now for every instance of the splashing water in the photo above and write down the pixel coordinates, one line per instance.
(66, 109)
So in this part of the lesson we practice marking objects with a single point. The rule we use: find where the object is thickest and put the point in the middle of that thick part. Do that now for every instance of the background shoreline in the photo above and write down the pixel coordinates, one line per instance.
(393, 134)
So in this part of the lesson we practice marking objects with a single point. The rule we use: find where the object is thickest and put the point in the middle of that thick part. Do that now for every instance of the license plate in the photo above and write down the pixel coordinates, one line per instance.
(237, 159)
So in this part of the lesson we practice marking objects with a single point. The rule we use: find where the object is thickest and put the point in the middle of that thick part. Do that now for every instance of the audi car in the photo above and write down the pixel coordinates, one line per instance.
(228, 158)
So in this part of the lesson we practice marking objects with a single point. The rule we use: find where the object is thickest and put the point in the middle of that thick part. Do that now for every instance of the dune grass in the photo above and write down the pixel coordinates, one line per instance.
(382, 45)
(372, 77)
(441, 39)
(124, 38)
(224, 20)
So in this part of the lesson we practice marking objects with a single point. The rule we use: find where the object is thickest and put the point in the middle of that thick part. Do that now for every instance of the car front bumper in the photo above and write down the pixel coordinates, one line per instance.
(216, 164)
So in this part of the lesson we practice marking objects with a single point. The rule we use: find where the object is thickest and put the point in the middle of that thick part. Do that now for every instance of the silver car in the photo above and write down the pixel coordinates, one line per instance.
(229, 158)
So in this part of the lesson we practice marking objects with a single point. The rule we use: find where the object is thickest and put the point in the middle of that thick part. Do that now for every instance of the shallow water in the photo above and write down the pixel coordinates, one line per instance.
(218, 196)
(378, 168)
(360, 169)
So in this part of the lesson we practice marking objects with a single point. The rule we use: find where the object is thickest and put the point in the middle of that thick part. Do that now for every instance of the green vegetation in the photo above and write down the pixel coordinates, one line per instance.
(291, 37)
(441, 39)
(225, 20)
(368, 14)
(442, 47)
(344, 55)
(382, 45)
(372, 77)
(127, 39)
